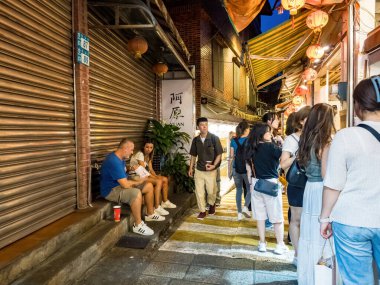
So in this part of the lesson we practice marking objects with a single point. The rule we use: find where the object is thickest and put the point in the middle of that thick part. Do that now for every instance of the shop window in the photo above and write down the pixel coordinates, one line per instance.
(252, 96)
(236, 81)
(217, 66)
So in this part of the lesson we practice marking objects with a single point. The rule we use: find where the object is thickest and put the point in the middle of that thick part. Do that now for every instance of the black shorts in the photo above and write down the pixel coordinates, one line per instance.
(295, 195)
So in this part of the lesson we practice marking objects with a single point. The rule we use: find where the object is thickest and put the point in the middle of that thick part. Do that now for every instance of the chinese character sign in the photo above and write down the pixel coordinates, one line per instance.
(177, 105)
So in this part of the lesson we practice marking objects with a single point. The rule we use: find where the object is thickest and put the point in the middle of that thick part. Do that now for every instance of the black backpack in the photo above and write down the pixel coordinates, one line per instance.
(239, 158)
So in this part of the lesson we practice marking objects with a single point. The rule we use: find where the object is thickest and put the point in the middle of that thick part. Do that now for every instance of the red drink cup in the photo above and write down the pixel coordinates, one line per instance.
(116, 213)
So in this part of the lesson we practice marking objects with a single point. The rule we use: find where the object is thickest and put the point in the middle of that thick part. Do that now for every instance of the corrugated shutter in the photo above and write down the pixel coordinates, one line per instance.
(37, 141)
(122, 92)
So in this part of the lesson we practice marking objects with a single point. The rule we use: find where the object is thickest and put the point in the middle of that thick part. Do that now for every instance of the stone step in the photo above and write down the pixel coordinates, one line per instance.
(68, 264)
(31, 251)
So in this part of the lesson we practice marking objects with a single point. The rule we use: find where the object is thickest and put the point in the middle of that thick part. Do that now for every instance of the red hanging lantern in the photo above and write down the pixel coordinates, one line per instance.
(309, 75)
(315, 52)
(301, 90)
(317, 20)
(292, 5)
(138, 46)
(160, 69)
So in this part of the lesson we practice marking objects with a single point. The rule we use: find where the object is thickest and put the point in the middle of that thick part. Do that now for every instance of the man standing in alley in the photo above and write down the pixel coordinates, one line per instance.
(114, 186)
(207, 147)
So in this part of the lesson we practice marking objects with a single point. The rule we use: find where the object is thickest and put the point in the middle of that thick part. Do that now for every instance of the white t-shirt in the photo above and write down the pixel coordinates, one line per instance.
(353, 167)
(137, 156)
(291, 144)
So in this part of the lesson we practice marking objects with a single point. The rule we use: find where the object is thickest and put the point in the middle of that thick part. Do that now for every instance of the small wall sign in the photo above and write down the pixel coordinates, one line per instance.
(83, 49)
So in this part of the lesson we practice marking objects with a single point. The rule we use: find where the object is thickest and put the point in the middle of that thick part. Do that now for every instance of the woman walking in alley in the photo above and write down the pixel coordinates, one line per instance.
(313, 149)
(161, 185)
(294, 192)
(351, 195)
(237, 168)
(265, 156)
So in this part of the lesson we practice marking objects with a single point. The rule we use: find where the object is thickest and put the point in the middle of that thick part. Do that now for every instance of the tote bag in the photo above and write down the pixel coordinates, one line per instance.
(325, 269)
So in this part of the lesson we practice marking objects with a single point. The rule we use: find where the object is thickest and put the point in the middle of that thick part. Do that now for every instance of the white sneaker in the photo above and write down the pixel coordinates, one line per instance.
(168, 205)
(161, 211)
(154, 218)
(240, 217)
(262, 246)
(281, 249)
(142, 229)
(246, 212)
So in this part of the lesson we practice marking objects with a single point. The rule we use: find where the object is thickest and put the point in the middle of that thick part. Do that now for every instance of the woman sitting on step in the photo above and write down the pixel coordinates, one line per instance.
(144, 159)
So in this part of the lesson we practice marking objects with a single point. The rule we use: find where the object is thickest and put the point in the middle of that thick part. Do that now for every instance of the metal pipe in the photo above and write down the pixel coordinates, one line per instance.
(270, 82)
(138, 26)
(350, 64)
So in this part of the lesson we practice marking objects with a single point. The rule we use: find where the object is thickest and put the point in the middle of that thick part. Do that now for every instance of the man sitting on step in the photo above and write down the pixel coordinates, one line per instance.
(115, 186)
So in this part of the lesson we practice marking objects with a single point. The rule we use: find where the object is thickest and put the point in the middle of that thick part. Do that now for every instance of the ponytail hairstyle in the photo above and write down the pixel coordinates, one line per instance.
(240, 129)
(316, 133)
(255, 137)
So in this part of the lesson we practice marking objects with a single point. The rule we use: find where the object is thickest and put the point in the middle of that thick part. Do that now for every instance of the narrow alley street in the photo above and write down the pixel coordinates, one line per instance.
(217, 250)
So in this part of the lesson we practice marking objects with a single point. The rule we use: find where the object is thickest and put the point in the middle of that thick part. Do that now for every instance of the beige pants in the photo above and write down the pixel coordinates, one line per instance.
(205, 179)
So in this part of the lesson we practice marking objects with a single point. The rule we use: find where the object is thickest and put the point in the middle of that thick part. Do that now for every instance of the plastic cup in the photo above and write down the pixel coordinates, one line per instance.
(116, 213)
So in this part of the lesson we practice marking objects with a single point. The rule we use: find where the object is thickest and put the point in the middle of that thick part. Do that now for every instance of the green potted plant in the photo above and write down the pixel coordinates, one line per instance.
(165, 137)
(176, 166)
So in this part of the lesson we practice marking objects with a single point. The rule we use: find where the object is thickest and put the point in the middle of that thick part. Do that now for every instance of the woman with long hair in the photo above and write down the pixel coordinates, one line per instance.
(351, 195)
(312, 155)
(289, 152)
(265, 156)
(239, 175)
(144, 158)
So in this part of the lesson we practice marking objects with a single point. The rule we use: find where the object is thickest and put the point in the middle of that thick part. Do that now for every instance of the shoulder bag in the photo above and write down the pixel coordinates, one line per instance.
(264, 186)
(296, 175)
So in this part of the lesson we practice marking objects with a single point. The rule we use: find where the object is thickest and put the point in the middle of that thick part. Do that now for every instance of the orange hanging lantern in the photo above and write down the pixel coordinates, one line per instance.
(297, 100)
(315, 52)
(292, 5)
(138, 46)
(309, 75)
(301, 90)
(317, 20)
(160, 69)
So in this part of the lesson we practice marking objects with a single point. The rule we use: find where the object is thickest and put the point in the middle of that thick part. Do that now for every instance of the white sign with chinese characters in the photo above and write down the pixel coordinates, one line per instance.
(177, 105)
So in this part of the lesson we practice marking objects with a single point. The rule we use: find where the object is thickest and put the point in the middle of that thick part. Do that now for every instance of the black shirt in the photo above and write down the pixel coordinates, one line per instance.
(206, 151)
(267, 160)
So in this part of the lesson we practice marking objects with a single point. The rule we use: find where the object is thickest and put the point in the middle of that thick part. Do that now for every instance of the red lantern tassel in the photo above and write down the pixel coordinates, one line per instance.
(293, 22)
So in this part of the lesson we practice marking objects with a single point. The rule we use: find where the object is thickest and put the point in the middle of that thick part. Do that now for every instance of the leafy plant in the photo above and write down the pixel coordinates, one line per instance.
(166, 137)
(176, 166)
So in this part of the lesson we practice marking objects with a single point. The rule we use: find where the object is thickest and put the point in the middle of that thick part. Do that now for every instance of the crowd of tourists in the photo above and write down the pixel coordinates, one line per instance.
(332, 183)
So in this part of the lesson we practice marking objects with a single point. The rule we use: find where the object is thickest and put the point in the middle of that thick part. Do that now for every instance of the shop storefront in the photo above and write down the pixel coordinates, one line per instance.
(37, 138)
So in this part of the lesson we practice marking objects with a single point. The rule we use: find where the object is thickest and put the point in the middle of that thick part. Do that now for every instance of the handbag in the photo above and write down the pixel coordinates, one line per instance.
(325, 269)
(296, 175)
(264, 186)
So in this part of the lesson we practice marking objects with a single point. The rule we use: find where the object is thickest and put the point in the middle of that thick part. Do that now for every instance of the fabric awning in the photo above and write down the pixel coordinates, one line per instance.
(280, 47)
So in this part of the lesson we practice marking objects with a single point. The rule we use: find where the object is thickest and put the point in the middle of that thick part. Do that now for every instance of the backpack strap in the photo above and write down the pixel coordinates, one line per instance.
(371, 130)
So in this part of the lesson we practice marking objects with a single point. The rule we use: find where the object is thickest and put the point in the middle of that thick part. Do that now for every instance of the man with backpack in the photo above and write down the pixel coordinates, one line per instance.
(208, 149)
(238, 170)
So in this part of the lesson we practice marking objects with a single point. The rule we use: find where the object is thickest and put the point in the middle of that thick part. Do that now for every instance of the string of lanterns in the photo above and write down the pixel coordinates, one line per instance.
(138, 46)
(315, 21)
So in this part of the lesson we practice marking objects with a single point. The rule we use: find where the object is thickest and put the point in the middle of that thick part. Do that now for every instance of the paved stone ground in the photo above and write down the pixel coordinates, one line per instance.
(151, 266)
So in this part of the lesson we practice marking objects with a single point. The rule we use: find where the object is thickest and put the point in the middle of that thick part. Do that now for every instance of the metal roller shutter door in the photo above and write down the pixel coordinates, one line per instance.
(37, 137)
(122, 92)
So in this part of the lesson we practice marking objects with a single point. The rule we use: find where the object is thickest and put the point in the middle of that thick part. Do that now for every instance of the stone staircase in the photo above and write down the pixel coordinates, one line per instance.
(61, 252)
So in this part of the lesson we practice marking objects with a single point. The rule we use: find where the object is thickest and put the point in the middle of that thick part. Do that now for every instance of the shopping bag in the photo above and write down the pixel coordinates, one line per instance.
(325, 269)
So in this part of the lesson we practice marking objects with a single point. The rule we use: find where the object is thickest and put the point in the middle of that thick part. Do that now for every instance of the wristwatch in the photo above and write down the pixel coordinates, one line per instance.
(324, 220)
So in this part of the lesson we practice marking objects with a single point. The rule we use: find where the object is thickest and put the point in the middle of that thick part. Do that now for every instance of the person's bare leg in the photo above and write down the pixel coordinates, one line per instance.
(165, 188)
(147, 191)
(157, 184)
(294, 226)
(261, 230)
(136, 209)
(279, 232)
